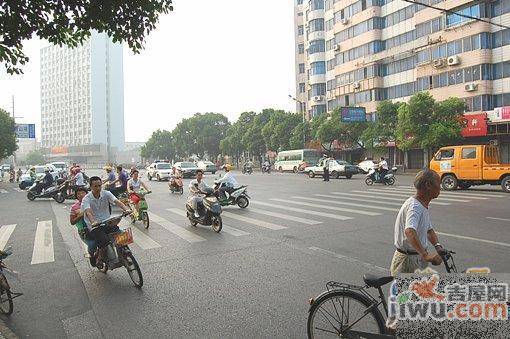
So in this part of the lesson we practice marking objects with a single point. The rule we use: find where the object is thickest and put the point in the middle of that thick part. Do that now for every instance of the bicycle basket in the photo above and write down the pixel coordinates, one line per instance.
(123, 238)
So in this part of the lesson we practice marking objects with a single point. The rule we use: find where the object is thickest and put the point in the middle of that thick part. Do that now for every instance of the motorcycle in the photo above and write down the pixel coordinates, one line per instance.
(389, 178)
(118, 253)
(239, 196)
(176, 186)
(141, 214)
(247, 170)
(209, 211)
(266, 169)
(35, 191)
(64, 190)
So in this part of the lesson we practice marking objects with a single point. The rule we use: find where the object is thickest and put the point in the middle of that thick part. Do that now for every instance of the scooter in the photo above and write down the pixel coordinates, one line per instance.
(239, 196)
(209, 211)
(141, 214)
(176, 186)
(118, 253)
(36, 192)
(389, 178)
(247, 170)
(64, 190)
(266, 169)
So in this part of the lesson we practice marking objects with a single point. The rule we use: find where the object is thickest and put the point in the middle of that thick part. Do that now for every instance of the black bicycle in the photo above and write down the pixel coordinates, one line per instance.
(350, 311)
(6, 294)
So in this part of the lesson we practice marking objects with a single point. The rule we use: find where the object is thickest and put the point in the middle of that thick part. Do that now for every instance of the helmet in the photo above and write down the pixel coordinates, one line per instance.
(227, 167)
(47, 169)
(107, 168)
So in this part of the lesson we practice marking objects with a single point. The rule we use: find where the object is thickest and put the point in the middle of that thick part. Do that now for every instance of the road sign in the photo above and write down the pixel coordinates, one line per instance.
(354, 114)
(25, 131)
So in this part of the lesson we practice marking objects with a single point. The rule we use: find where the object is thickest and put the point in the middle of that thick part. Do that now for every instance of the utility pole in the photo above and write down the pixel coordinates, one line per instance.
(303, 111)
(14, 117)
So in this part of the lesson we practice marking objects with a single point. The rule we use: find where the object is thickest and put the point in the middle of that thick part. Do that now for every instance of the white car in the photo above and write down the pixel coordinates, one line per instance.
(367, 165)
(61, 167)
(26, 180)
(207, 166)
(337, 168)
(188, 169)
(159, 171)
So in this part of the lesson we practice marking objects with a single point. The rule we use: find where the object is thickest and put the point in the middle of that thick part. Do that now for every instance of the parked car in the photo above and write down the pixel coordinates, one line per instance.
(26, 181)
(159, 171)
(188, 169)
(207, 166)
(337, 168)
(61, 167)
(367, 165)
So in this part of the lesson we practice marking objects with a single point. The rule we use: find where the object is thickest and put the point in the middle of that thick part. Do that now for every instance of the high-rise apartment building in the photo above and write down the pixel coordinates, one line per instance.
(82, 99)
(391, 49)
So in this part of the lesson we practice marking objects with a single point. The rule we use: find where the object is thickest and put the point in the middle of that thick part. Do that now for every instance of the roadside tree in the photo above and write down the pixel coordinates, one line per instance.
(8, 144)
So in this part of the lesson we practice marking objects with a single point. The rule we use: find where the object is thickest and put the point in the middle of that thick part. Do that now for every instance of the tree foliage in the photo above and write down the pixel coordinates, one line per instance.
(34, 158)
(70, 22)
(8, 144)
(382, 131)
(159, 146)
(279, 128)
(425, 123)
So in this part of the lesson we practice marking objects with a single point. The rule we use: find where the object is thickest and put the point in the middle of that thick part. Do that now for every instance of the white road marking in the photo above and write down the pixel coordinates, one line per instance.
(467, 192)
(256, 222)
(502, 219)
(143, 240)
(286, 216)
(43, 243)
(448, 195)
(329, 207)
(300, 210)
(344, 197)
(227, 229)
(385, 192)
(177, 230)
(5, 234)
(377, 197)
(3, 191)
(348, 259)
(475, 239)
(347, 203)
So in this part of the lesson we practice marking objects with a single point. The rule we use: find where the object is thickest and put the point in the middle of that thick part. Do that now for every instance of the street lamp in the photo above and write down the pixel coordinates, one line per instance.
(301, 105)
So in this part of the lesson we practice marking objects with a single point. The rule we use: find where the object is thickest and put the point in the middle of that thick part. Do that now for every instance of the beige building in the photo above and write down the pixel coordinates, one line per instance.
(390, 49)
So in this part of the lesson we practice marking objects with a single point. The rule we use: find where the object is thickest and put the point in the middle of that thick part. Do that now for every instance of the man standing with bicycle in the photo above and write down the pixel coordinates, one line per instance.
(413, 228)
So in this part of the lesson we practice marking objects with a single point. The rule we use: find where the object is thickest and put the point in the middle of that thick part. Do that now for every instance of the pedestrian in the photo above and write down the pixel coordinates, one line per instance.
(326, 168)
(413, 228)
(19, 174)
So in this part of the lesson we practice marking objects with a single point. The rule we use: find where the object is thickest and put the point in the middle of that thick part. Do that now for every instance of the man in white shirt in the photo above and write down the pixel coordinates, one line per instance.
(413, 228)
(196, 186)
(230, 183)
(382, 167)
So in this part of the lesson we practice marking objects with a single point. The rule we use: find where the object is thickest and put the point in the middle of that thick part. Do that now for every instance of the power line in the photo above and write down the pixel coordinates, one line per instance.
(459, 14)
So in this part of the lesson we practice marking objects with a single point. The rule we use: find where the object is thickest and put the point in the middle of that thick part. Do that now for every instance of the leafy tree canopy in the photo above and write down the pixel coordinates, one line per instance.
(8, 144)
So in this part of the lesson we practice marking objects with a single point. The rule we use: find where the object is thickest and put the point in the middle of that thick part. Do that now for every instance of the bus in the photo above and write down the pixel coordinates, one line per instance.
(296, 160)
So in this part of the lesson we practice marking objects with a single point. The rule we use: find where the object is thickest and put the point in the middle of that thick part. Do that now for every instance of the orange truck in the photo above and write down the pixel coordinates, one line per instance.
(468, 165)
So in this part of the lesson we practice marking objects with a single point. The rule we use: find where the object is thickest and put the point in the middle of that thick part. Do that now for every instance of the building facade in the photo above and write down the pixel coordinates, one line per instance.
(82, 99)
(391, 49)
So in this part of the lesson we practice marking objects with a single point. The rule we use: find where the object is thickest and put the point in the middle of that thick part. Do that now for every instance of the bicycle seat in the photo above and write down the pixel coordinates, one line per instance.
(376, 281)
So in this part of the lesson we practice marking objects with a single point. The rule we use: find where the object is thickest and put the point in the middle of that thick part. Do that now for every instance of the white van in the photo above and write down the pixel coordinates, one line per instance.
(296, 160)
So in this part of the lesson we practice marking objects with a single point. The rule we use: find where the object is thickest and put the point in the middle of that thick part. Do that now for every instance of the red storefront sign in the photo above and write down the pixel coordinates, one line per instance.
(476, 125)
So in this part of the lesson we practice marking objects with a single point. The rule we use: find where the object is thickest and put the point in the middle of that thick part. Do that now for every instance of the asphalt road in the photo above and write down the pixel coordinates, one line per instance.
(251, 280)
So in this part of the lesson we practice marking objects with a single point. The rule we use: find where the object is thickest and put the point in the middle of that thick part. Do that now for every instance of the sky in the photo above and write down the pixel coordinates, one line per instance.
(224, 56)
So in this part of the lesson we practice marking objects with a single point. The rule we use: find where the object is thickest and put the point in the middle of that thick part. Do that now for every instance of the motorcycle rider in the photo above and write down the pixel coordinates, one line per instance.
(134, 186)
(19, 173)
(122, 178)
(96, 208)
(266, 166)
(230, 183)
(76, 218)
(175, 178)
(382, 169)
(110, 178)
(248, 166)
(46, 182)
(196, 186)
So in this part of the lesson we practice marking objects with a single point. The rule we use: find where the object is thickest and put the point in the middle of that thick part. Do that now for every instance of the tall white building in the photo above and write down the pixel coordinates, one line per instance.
(82, 100)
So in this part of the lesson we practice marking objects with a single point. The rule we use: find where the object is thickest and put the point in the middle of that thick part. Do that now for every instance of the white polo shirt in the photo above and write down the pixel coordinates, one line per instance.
(413, 215)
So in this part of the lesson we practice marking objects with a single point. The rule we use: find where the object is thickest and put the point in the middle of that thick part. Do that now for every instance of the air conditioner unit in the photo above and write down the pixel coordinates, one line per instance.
(336, 47)
(318, 98)
(453, 60)
(471, 87)
(356, 85)
(345, 21)
(439, 63)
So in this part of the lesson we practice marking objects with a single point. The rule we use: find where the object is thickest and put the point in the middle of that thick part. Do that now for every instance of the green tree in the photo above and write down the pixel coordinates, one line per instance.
(425, 123)
(232, 143)
(34, 158)
(383, 129)
(8, 144)
(159, 146)
(69, 23)
(201, 134)
(299, 134)
(328, 129)
(277, 131)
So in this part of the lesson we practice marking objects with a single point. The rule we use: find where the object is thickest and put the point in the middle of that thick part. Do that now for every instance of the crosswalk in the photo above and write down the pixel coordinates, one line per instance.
(269, 215)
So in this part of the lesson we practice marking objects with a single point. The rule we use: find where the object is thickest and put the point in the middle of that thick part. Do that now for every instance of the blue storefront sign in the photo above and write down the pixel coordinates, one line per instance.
(25, 131)
(353, 114)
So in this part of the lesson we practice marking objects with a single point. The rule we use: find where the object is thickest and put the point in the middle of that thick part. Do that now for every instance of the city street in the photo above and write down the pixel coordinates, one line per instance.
(253, 279)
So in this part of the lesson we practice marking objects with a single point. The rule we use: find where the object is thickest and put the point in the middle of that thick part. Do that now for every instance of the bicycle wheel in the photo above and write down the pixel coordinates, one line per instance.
(6, 305)
(336, 310)
(134, 270)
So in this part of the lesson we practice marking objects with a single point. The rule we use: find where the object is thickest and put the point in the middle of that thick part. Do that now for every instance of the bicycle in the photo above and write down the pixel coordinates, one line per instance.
(368, 321)
(6, 295)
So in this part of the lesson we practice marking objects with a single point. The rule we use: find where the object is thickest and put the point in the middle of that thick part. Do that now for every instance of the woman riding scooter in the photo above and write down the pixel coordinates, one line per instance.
(175, 182)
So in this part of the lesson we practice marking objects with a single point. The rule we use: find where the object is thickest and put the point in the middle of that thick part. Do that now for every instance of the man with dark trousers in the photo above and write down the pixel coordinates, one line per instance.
(325, 163)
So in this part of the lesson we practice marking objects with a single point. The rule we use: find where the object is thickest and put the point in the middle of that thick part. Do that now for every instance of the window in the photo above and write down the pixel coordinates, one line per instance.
(300, 30)
(445, 154)
(472, 11)
(316, 25)
(317, 46)
(301, 68)
(469, 153)
(301, 48)
(302, 87)
(316, 4)
(319, 89)
(299, 2)
(318, 68)
(318, 110)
